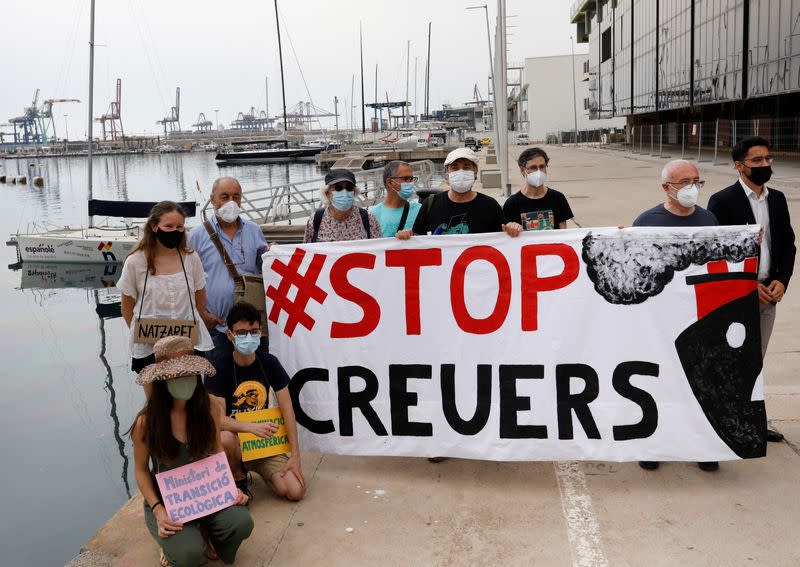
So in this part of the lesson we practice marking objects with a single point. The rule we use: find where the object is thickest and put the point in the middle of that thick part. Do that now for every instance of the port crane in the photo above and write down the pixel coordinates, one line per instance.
(36, 125)
(172, 121)
(202, 124)
(113, 117)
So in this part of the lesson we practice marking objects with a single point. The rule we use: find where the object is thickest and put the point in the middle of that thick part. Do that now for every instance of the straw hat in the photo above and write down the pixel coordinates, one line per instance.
(174, 358)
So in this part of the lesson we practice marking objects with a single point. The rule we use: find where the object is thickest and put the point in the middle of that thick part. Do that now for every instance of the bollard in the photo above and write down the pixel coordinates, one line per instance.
(22, 180)
(38, 181)
(2, 178)
(651, 140)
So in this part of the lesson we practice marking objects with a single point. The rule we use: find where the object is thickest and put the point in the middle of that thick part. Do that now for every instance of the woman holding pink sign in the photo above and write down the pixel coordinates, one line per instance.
(189, 495)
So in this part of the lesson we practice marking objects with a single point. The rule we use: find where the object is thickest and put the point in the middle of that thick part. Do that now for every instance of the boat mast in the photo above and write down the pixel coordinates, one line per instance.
(428, 75)
(408, 66)
(283, 87)
(361, 46)
(91, 111)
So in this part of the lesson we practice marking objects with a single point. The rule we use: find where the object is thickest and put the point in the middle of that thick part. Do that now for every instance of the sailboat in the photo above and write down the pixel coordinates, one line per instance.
(93, 244)
(275, 150)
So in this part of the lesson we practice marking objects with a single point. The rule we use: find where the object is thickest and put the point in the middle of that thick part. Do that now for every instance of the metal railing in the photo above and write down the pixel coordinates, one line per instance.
(284, 203)
(710, 141)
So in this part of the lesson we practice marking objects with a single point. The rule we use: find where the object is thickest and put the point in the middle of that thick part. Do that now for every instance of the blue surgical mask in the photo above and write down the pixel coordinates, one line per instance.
(246, 344)
(406, 190)
(182, 388)
(342, 200)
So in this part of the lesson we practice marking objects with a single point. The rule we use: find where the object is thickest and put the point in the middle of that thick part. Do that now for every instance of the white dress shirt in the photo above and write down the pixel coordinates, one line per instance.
(761, 214)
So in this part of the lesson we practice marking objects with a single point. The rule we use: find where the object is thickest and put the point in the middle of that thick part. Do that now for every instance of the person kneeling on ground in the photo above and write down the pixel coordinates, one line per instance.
(180, 423)
(243, 380)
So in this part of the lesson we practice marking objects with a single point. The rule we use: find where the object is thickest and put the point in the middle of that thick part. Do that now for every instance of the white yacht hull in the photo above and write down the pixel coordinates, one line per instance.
(84, 246)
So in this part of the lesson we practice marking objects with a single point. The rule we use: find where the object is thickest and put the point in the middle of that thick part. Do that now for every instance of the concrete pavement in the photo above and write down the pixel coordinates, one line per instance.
(407, 511)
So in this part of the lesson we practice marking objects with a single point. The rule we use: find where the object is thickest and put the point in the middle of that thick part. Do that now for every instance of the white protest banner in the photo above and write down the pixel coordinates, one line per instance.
(198, 489)
(597, 344)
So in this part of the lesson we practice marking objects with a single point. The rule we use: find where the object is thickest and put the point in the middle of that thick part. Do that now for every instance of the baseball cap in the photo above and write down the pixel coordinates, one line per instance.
(334, 176)
(459, 153)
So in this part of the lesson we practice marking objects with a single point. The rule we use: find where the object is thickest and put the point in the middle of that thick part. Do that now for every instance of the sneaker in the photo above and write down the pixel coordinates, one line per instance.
(649, 465)
(709, 466)
(243, 485)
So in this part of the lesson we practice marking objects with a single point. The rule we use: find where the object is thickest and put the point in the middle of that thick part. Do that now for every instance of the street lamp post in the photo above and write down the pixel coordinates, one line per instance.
(66, 128)
(216, 111)
(489, 40)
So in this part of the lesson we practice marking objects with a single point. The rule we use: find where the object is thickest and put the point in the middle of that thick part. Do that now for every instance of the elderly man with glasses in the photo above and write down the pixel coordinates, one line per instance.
(681, 183)
(750, 201)
(340, 217)
(397, 212)
(226, 233)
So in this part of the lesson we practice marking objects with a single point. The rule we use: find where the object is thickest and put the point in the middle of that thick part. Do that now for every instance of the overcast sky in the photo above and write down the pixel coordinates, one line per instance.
(219, 53)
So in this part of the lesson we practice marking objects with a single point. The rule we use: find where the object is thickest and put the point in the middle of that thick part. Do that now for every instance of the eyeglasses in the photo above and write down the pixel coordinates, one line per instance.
(345, 186)
(760, 160)
(684, 182)
(407, 179)
(245, 332)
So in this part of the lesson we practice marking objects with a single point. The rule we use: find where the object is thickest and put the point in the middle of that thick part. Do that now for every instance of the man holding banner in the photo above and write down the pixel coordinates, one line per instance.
(460, 209)
(681, 183)
(251, 431)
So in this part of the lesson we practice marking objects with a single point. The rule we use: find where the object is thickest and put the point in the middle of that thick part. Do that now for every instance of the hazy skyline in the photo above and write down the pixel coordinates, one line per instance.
(219, 57)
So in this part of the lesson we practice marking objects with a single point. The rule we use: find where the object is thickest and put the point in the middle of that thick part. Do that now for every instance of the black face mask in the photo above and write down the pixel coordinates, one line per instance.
(170, 239)
(760, 175)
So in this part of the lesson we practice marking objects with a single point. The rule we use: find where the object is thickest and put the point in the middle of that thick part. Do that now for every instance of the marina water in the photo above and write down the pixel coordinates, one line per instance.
(67, 396)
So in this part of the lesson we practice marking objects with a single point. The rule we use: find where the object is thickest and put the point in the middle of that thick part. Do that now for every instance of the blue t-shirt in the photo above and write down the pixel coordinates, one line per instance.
(390, 218)
(660, 216)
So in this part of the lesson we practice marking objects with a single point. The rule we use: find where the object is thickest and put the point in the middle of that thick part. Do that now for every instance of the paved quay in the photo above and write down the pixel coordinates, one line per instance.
(407, 511)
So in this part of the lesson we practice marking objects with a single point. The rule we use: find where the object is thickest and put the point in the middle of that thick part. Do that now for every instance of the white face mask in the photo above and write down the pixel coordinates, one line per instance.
(461, 180)
(229, 212)
(536, 178)
(688, 195)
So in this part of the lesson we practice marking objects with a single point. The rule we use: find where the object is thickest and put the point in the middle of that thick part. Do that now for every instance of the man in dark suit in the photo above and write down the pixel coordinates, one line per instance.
(750, 201)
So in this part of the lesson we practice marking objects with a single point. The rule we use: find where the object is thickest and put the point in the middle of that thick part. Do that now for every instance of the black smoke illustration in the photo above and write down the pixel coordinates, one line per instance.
(627, 270)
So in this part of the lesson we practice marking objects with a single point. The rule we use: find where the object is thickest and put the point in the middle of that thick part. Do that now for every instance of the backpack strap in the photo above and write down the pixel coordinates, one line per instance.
(403, 217)
(212, 234)
(317, 222)
(365, 221)
(429, 203)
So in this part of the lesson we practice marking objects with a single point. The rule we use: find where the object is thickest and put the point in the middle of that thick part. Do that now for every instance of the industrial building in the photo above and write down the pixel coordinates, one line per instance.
(553, 107)
(692, 61)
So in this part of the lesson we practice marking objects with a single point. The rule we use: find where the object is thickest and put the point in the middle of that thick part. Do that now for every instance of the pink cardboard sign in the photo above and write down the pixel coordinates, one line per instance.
(198, 489)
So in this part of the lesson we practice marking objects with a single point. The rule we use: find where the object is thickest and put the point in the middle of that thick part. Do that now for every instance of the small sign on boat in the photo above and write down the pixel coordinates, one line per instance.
(198, 489)
(149, 331)
(254, 447)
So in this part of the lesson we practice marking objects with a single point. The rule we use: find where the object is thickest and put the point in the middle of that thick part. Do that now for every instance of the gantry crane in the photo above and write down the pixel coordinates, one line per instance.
(113, 117)
(36, 124)
(173, 118)
(202, 124)
(305, 112)
(26, 127)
